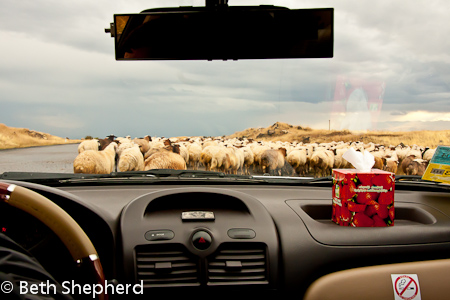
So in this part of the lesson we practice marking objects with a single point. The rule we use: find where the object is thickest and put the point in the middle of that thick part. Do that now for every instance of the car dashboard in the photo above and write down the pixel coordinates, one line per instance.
(224, 237)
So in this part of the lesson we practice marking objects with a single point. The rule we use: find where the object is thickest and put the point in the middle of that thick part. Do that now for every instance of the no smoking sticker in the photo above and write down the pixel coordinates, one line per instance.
(406, 286)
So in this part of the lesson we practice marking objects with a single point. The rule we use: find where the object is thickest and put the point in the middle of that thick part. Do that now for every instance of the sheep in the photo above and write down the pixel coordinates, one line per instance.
(131, 159)
(184, 152)
(165, 159)
(239, 152)
(272, 161)
(391, 166)
(216, 158)
(144, 144)
(89, 145)
(195, 151)
(120, 140)
(210, 143)
(405, 163)
(339, 161)
(258, 150)
(159, 148)
(297, 158)
(428, 153)
(96, 162)
(207, 154)
(124, 145)
(416, 167)
(380, 163)
(322, 162)
(105, 142)
(391, 163)
(233, 159)
(248, 160)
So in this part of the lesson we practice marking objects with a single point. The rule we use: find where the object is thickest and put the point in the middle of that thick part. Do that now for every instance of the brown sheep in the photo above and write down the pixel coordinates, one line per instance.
(165, 160)
(380, 163)
(272, 161)
(322, 162)
(105, 142)
(391, 166)
(405, 163)
(416, 167)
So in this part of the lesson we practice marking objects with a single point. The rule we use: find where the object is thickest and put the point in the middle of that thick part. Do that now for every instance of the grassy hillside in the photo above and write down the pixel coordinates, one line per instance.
(12, 137)
(289, 133)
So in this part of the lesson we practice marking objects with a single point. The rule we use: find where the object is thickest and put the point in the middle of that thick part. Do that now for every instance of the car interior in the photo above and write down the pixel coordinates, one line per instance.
(206, 233)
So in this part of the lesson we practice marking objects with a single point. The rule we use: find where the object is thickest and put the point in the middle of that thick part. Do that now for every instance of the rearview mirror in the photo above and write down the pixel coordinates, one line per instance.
(235, 33)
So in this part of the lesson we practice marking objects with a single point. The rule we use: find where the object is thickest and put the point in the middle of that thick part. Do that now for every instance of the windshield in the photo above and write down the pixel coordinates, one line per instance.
(385, 90)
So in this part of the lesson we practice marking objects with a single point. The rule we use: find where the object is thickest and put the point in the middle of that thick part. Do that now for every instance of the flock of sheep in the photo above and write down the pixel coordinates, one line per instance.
(240, 156)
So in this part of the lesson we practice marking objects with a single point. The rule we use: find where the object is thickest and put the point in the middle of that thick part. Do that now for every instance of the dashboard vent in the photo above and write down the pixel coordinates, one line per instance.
(238, 264)
(166, 265)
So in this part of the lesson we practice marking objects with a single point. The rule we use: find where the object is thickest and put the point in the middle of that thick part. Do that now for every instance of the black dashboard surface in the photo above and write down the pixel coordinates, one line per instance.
(283, 235)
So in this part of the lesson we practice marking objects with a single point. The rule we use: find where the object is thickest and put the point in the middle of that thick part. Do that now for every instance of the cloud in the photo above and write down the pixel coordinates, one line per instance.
(398, 113)
(58, 66)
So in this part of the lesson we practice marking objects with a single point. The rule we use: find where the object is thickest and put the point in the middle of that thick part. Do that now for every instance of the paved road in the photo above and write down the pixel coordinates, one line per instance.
(39, 159)
(57, 159)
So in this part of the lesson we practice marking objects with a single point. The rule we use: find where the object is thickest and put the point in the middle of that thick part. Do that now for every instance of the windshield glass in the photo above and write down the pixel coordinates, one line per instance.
(385, 90)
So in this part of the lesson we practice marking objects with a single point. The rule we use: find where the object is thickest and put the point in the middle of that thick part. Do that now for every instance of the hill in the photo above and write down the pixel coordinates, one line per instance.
(12, 137)
(285, 132)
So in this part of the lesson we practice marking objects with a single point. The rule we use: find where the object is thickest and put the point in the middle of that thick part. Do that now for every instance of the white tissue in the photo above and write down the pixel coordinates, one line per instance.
(361, 162)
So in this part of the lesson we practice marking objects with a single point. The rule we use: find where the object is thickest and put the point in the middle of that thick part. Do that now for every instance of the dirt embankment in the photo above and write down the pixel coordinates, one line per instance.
(12, 137)
(285, 132)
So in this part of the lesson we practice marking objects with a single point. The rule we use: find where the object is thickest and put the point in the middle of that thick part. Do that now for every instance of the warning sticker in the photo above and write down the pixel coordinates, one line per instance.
(406, 286)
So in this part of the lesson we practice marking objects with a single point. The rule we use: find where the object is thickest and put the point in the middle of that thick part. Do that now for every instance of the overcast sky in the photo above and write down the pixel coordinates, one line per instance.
(58, 74)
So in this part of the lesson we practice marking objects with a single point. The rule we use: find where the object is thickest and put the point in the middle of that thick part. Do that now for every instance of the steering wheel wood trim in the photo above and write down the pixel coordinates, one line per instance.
(60, 222)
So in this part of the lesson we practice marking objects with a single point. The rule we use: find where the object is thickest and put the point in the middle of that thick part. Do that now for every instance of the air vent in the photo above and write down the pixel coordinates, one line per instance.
(166, 265)
(238, 264)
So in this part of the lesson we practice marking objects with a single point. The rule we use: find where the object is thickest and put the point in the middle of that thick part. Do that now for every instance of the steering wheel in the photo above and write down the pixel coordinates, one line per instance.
(61, 223)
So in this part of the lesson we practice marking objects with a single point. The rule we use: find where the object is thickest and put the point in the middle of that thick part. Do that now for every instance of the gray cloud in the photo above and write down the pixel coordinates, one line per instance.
(59, 75)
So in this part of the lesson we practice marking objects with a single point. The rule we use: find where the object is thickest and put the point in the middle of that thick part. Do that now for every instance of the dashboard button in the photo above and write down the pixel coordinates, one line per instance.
(159, 235)
(201, 240)
(241, 233)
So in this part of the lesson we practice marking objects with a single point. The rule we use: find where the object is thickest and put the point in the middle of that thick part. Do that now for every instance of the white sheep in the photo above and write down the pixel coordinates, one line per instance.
(241, 159)
(131, 159)
(220, 158)
(96, 162)
(249, 158)
(297, 158)
(428, 154)
(207, 154)
(184, 152)
(144, 144)
(195, 151)
(339, 161)
(233, 159)
(88, 145)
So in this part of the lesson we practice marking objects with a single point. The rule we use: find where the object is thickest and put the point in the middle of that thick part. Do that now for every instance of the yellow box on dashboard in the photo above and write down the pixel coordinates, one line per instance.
(438, 168)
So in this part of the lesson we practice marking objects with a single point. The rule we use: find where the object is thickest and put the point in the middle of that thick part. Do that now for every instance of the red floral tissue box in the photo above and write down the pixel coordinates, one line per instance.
(363, 199)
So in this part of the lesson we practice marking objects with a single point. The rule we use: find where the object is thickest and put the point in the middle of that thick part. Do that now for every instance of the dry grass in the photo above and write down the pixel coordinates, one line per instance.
(11, 137)
(289, 133)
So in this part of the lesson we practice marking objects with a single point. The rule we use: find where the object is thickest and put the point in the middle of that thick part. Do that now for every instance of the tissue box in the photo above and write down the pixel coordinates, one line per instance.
(363, 199)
